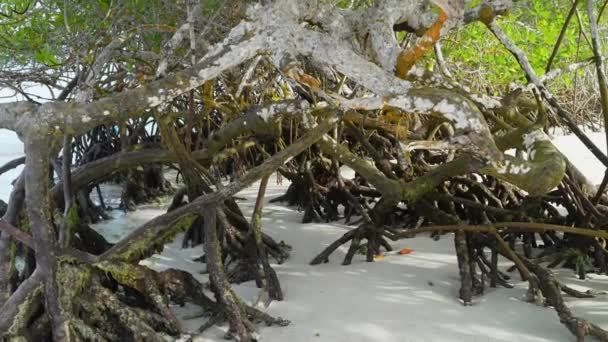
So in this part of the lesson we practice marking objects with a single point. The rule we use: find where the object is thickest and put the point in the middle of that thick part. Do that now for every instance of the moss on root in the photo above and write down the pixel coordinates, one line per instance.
(77, 276)
(24, 222)
(96, 310)
(72, 222)
(127, 274)
(152, 242)
(24, 314)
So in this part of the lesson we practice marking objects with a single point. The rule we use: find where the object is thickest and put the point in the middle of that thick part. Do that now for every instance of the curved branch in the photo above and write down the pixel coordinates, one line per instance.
(157, 226)
(12, 164)
(28, 290)
(256, 119)
(544, 170)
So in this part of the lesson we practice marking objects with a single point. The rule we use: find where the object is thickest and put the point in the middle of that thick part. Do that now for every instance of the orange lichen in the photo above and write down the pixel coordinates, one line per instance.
(396, 117)
(303, 78)
(407, 59)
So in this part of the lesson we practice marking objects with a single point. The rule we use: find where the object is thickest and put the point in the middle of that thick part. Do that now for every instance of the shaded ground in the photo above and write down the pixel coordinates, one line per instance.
(401, 298)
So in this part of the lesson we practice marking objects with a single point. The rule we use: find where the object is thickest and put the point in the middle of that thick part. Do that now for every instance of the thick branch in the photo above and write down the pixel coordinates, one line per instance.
(38, 208)
(11, 112)
(74, 118)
